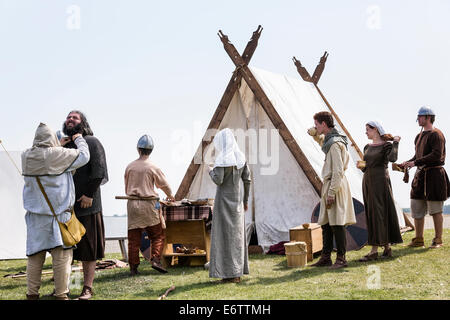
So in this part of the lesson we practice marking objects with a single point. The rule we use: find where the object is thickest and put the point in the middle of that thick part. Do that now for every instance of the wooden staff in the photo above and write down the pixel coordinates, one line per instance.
(136, 198)
(167, 293)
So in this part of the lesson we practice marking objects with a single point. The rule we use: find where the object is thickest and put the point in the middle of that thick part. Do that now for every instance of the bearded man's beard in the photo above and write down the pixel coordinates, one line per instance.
(73, 130)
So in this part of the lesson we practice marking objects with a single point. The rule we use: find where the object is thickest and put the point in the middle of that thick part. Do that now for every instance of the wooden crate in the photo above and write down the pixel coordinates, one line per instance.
(186, 232)
(312, 236)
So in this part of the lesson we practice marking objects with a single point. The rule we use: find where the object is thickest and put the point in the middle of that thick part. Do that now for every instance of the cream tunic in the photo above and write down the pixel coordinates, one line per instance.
(141, 176)
(335, 184)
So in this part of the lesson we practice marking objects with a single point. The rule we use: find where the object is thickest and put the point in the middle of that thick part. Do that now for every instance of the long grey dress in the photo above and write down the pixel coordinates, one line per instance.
(229, 253)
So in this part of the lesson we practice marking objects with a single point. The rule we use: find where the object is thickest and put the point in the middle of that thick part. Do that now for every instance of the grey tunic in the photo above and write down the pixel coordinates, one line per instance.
(229, 254)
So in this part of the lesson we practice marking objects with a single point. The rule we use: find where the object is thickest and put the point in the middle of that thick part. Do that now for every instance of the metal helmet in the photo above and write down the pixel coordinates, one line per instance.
(425, 111)
(145, 142)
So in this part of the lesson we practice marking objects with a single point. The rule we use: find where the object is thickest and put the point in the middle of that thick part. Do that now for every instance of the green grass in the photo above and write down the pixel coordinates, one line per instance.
(413, 273)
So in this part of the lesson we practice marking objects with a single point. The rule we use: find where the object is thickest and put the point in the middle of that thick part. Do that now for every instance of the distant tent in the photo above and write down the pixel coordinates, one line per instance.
(13, 232)
(257, 99)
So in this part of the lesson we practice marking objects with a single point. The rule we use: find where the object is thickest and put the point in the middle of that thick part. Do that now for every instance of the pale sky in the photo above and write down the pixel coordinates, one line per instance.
(157, 67)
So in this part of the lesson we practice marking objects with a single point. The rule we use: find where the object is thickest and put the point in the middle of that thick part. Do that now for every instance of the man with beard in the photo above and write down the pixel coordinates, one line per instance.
(88, 205)
(431, 186)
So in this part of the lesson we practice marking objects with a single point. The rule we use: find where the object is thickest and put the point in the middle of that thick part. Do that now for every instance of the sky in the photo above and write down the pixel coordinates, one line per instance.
(159, 68)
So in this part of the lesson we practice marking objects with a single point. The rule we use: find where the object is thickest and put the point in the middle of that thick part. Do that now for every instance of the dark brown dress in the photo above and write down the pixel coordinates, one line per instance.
(382, 222)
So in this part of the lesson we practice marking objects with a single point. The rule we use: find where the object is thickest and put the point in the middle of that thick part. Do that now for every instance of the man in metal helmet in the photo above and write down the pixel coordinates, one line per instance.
(145, 142)
(430, 186)
(141, 177)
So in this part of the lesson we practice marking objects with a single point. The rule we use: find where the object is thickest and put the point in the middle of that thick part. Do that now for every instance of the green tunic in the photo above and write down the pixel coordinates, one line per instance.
(229, 254)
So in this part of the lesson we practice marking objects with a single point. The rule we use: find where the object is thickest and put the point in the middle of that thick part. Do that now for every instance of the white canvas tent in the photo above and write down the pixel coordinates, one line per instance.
(12, 213)
(256, 99)
(285, 198)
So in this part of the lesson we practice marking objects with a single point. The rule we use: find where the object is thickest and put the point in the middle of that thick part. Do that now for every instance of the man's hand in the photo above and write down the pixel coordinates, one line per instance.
(170, 198)
(64, 141)
(86, 202)
(408, 164)
(76, 135)
(330, 201)
(397, 139)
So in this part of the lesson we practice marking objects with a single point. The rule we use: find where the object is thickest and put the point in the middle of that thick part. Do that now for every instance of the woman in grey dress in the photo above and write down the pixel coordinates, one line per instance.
(229, 254)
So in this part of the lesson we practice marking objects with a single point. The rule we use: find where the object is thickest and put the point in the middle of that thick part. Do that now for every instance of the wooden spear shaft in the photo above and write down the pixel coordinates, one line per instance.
(340, 123)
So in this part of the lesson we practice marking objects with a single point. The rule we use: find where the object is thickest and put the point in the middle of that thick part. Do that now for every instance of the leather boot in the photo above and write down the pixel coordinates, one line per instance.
(134, 270)
(156, 264)
(339, 263)
(32, 297)
(324, 261)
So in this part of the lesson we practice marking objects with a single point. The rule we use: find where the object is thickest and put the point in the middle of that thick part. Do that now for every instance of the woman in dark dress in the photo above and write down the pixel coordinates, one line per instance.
(381, 214)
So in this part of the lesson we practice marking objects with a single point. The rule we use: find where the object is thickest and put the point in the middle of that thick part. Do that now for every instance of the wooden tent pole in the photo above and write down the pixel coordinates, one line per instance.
(319, 69)
(315, 79)
(273, 114)
(221, 109)
(340, 123)
(302, 70)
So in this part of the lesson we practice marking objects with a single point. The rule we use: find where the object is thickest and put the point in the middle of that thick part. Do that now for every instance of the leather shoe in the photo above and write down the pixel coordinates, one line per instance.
(324, 261)
(156, 264)
(339, 263)
(369, 257)
(437, 243)
(416, 243)
(232, 280)
(387, 253)
(86, 293)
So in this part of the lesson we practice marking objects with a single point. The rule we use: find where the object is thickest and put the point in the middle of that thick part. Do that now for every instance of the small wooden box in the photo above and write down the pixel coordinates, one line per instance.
(312, 236)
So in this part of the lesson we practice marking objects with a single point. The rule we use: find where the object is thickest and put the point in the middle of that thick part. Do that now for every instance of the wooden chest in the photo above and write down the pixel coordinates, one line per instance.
(312, 236)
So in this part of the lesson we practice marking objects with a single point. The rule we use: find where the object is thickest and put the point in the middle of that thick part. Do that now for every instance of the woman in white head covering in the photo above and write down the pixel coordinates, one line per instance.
(381, 214)
(229, 256)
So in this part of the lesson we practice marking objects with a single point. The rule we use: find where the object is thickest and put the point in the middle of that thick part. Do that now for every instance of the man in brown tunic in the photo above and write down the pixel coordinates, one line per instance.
(141, 176)
(431, 186)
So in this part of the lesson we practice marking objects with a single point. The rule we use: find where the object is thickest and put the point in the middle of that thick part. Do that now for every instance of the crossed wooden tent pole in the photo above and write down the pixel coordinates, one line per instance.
(315, 79)
(242, 71)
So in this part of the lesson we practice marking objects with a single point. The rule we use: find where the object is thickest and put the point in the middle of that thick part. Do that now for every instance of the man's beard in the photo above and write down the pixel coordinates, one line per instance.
(73, 130)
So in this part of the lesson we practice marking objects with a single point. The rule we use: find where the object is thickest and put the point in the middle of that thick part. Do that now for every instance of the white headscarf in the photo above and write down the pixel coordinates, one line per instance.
(377, 125)
(228, 152)
(47, 156)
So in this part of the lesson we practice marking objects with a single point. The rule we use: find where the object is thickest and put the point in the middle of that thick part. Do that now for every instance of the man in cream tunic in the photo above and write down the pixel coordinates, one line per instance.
(336, 205)
(54, 165)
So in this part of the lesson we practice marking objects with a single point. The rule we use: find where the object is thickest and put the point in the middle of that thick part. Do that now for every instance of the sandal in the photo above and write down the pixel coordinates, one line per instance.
(416, 243)
(387, 253)
(437, 243)
(369, 257)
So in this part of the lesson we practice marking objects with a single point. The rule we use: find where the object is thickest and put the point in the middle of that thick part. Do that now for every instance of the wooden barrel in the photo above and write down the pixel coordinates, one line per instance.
(296, 254)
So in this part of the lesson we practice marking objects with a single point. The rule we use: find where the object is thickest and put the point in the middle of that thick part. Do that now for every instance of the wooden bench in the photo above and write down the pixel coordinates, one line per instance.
(123, 248)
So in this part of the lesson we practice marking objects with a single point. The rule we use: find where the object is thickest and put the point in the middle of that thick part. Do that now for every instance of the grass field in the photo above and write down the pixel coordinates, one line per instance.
(413, 273)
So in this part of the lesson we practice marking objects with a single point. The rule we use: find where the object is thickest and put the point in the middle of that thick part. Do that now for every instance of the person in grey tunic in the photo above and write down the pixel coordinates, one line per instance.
(229, 253)
(54, 165)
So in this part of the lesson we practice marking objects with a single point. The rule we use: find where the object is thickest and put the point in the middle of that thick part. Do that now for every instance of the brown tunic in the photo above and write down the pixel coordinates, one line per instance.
(430, 181)
(381, 214)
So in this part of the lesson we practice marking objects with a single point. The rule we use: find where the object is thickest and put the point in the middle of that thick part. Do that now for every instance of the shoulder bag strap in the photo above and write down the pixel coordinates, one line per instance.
(46, 197)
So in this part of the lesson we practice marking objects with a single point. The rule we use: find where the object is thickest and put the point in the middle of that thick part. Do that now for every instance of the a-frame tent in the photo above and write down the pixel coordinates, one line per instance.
(404, 222)
(259, 103)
